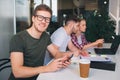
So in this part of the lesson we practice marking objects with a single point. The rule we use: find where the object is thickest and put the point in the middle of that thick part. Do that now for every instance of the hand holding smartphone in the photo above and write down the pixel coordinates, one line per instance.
(70, 57)
(67, 58)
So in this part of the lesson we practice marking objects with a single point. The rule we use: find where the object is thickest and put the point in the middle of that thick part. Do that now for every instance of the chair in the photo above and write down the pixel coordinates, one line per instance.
(5, 68)
(3, 63)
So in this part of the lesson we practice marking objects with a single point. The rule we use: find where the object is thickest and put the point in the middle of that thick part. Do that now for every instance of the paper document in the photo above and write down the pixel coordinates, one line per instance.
(101, 58)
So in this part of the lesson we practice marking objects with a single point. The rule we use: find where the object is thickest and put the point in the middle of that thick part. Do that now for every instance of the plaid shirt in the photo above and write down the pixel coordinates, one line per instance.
(75, 41)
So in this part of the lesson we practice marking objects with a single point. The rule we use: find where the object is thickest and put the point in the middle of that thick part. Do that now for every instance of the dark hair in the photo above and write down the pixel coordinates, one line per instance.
(42, 7)
(71, 18)
(82, 19)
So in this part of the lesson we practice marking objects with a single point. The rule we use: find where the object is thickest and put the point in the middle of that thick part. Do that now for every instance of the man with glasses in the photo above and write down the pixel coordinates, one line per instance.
(28, 47)
(40, 18)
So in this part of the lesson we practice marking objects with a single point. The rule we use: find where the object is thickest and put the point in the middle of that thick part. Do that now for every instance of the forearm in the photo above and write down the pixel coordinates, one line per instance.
(89, 45)
(55, 52)
(24, 72)
(61, 54)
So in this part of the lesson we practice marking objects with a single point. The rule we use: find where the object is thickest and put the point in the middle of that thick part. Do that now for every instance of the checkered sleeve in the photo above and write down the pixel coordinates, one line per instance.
(75, 41)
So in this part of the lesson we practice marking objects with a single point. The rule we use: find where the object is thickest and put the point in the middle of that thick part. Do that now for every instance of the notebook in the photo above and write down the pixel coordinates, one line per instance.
(112, 50)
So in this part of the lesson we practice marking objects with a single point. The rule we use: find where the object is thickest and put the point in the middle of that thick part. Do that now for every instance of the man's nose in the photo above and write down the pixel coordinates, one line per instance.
(44, 20)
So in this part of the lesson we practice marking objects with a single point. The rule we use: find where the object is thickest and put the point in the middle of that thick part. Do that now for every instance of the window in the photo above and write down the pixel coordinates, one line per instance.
(50, 3)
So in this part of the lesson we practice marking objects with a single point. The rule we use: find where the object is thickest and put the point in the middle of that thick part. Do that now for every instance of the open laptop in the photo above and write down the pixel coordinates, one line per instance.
(112, 50)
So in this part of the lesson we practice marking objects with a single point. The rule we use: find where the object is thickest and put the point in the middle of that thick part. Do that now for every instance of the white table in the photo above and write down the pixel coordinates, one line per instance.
(72, 72)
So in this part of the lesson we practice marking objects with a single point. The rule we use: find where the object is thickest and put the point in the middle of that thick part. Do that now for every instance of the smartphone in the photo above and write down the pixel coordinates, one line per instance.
(70, 57)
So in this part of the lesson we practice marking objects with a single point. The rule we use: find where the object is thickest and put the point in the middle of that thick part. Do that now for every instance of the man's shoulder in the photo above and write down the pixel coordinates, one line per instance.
(59, 34)
(60, 28)
(45, 34)
(59, 31)
(20, 34)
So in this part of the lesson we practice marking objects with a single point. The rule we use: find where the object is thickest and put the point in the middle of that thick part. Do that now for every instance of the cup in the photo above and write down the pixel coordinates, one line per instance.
(84, 66)
(100, 45)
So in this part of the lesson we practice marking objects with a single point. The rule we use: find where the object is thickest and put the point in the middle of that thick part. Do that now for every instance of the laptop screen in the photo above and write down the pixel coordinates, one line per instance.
(115, 43)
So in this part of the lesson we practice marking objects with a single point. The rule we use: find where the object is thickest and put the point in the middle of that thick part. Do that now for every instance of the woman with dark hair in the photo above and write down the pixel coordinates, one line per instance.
(79, 39)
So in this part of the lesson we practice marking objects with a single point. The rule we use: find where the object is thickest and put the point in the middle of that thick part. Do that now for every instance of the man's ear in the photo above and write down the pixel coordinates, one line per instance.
(33, 18)
(71, 24)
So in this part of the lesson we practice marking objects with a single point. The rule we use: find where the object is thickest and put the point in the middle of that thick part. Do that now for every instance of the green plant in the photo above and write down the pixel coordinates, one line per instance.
(99, 25)
(52, 27)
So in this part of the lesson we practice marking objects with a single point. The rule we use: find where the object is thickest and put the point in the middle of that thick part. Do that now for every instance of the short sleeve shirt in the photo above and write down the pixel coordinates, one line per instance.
(32, 49)
(60, 38)
(79, 41)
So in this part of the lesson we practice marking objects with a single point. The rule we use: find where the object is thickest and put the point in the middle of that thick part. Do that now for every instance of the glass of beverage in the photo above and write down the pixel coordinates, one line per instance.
(84, 66)
(100, 45)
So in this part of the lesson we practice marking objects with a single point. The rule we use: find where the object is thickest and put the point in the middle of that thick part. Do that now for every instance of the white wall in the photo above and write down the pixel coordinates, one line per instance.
(6, 26)
(113, 7)
(6, 31)
(114, 12)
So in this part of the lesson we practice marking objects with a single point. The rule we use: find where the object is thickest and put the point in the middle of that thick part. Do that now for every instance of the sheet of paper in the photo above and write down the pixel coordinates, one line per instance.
(97, 58)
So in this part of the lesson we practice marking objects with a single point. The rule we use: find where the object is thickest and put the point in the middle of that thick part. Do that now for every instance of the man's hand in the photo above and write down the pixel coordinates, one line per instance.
(84, 53)
(58, 64)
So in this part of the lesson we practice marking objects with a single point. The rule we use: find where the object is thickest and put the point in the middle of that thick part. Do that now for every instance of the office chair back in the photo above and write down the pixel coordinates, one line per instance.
(5, 68)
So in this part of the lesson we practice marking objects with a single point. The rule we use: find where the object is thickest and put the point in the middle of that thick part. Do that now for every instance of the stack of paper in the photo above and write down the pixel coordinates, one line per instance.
(101, 58)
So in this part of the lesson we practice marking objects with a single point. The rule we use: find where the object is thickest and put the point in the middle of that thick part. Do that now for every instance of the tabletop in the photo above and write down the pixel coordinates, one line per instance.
(72, 72)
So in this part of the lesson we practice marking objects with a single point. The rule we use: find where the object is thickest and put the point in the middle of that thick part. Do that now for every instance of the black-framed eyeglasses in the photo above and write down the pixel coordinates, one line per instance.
(40, 18)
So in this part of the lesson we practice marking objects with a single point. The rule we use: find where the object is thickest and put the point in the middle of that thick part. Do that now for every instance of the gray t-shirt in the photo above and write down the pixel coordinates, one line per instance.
(60, 38)
(33, 49)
